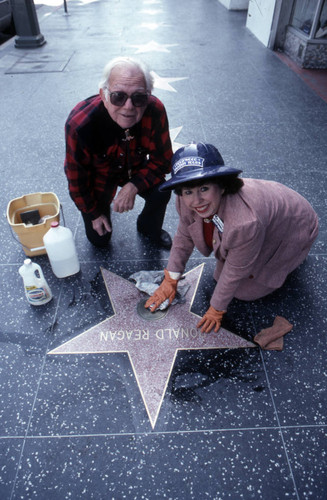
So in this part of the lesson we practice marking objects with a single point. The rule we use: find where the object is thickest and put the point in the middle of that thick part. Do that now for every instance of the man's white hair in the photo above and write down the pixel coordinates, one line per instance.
(126, 61)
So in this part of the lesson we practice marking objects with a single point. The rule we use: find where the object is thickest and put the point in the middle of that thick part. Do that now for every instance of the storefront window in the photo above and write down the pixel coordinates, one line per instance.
(322, 23)
(304, 17)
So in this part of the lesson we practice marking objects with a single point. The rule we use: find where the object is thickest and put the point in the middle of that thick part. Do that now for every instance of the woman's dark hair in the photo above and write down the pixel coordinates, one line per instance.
(231, 184)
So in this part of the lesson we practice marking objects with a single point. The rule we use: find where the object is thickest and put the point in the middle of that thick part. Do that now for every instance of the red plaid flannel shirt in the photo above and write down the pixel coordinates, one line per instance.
(98, 159)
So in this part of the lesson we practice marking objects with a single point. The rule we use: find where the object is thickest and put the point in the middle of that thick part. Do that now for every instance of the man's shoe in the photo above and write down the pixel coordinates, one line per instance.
(164, 240)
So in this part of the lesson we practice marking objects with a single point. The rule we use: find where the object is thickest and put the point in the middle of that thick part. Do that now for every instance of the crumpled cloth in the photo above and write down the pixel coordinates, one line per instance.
(149, 281)
(272, 338)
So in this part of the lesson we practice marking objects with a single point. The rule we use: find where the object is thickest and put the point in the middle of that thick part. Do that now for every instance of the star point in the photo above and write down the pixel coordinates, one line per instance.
(174, 132)
(163, 83)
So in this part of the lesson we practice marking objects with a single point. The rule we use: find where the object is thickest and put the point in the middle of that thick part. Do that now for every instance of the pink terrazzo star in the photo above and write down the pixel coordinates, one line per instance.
(152, 341)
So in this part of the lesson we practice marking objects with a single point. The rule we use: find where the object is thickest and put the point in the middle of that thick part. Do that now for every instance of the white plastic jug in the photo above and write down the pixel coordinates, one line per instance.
(37, 290)
(60, 246)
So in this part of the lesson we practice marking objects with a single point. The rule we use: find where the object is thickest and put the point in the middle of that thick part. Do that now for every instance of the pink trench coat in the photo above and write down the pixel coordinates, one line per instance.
(268, 231)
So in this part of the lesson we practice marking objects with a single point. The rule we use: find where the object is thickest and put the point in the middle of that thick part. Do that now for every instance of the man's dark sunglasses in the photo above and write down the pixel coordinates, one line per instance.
(119, 99)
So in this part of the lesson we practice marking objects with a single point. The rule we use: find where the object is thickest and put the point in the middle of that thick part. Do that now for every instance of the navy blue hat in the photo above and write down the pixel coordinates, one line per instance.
(195, 162)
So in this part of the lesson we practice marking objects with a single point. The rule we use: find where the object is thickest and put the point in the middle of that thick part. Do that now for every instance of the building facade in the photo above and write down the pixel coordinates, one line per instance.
(296, 27)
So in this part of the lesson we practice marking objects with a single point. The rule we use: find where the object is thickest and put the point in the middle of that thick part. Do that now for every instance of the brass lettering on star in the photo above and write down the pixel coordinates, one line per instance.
(161, 334)
(124, 335)
(177, 333)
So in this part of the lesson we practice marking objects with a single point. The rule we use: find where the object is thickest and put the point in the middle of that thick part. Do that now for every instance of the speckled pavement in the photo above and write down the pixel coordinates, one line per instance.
(232, 422)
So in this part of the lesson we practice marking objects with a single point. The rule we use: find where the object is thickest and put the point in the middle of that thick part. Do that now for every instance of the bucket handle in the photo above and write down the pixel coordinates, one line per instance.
(36, 249)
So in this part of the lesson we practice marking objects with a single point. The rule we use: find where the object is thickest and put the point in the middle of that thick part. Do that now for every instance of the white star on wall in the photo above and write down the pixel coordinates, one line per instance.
(153, 47)
(162, 83)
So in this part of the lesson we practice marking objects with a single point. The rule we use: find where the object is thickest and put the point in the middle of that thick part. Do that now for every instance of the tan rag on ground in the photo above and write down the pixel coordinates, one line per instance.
(272, 338)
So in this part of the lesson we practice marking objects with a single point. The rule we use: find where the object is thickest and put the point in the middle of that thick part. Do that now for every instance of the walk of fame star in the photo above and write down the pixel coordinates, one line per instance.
(151, 12)
(153, 47)
(152, 26)
(151, 340)
(160, 82)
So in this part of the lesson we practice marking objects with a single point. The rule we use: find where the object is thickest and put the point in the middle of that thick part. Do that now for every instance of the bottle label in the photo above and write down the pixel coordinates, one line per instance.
(37, 294)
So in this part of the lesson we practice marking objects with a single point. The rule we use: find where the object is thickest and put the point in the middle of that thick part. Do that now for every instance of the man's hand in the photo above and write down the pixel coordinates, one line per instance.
(101, 225)
(211, 319)
(167, 290)
(125, 199)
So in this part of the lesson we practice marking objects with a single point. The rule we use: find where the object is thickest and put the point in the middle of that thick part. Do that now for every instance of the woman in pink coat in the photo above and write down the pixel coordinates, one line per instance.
(259, 231)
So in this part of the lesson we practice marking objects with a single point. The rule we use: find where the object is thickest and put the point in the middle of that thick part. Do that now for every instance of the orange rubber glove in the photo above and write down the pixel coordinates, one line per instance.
(167, 290)
(212, 318)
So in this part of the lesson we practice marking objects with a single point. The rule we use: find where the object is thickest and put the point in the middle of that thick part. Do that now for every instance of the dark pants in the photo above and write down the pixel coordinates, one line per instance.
(149, 221)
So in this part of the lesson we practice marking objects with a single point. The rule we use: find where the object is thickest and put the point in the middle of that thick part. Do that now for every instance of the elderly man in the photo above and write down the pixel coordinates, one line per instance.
(119, 138)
